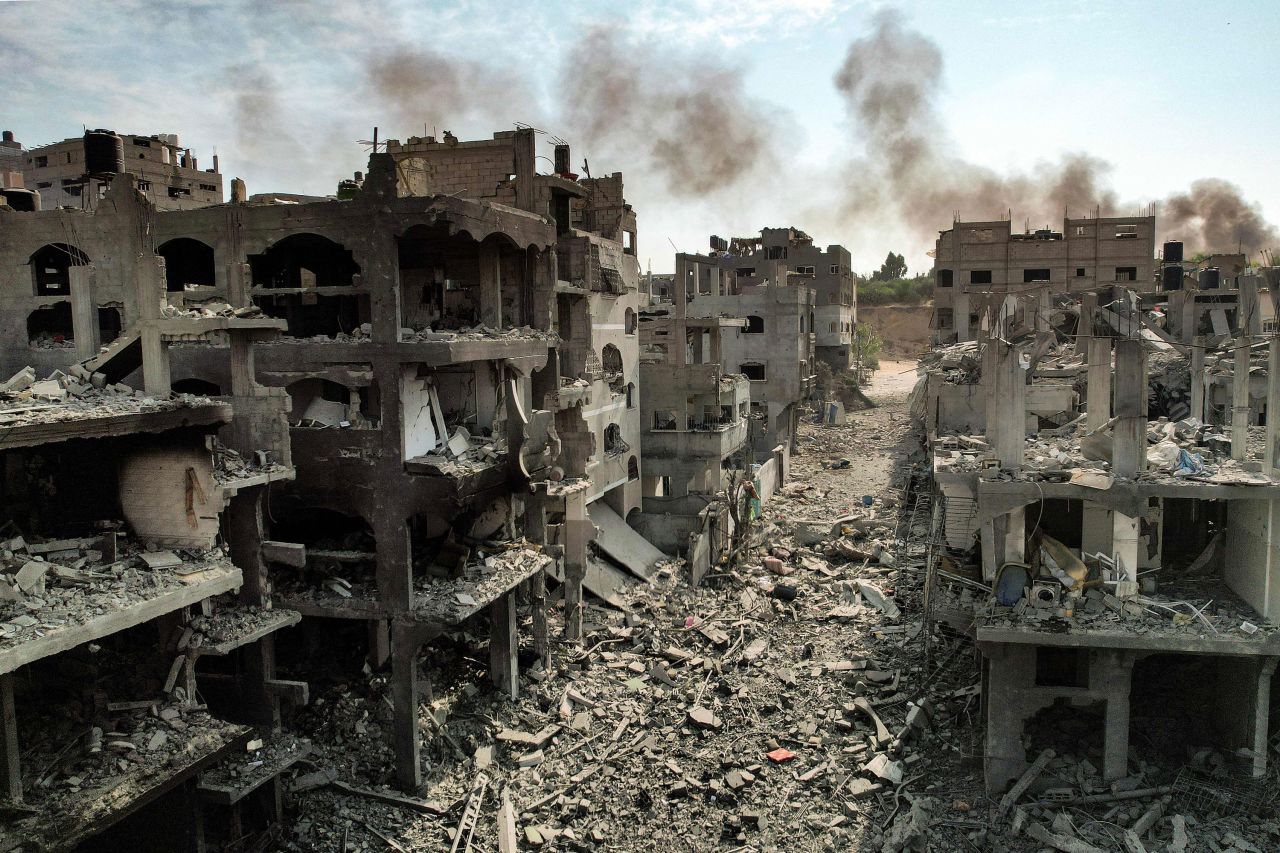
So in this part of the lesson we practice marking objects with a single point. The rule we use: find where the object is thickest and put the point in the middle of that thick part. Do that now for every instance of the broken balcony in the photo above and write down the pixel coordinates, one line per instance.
(329, 569)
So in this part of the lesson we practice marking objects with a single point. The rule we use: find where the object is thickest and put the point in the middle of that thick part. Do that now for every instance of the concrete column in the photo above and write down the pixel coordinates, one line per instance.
(1117, 679)
(1197, 378)
(395, 564)
(578, 530)
(1084, 331)
(155, 362)
(504, 667)
(1015, 536)
(239, 284)
(1273, 405)
(84, 313)
(1190, 319)
(1099, 390)
(538, 604)
(1010, 670)
(404, 700)
(1262, 716)
(1240, 399)
(1248, 317)
(1129, 435)
(1006, 390)
(1124, 545)
(243, 369)
(10, 766)
(490, 285)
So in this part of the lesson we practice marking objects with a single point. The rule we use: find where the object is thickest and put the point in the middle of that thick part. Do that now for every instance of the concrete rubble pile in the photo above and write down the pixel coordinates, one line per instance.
(76, 394)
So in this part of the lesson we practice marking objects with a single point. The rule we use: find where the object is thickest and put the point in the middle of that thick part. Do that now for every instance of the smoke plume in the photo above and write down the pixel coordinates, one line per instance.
(423, 90)
(693, 122)
(890, 81)
(1212, 215)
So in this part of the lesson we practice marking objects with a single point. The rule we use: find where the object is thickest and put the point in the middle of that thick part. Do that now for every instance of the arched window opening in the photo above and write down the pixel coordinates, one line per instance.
(187, 262)
(309, 281)
(755, 325)
(197, 387)
(633, 468)
(629, 322)
(631, 395)
(613, 443)
(51, 267)
(611, 364)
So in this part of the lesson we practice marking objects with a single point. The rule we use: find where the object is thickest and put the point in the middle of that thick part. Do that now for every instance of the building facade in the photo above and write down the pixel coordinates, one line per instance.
(976, 263)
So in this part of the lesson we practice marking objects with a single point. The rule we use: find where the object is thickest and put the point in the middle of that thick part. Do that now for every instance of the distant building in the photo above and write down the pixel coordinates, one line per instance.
(167, 173)
(828, 272)
(976, 261)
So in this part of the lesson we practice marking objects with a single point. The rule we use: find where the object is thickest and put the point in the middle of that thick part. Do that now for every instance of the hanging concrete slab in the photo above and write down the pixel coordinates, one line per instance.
(601, 579)
(617, 539)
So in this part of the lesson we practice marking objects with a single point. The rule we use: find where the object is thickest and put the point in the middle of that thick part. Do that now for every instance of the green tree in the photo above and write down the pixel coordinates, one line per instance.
(866, 351)
(894, 266)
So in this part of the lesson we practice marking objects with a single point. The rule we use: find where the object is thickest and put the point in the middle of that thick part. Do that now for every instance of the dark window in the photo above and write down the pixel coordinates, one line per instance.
(835, 269)
(980, 276)
(142, 143)
(1126, 273)
(776, 253)
(745, 272)
(945, 278)
(1035, 275)
(1079, 272)
(209, 188)
(43, 185)
(52, 264)
(66, 182)
(633, 469)
(946, 318)
(1062, 667)
(754, 372)
(178, 192)
(41, 162)
(755, 325)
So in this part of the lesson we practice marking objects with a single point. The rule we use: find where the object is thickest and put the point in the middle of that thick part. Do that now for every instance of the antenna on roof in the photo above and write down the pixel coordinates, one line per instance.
(372, 144)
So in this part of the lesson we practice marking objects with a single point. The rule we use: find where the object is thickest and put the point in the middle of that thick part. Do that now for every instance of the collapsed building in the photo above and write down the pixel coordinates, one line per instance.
(1112, 562)
(828, 272)
(430, 397)
(976, 264)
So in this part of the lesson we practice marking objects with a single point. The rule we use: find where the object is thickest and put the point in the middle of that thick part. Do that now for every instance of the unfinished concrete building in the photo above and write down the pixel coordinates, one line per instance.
(828, 272)
(76, 172)
(1115, 569)
(977, 263)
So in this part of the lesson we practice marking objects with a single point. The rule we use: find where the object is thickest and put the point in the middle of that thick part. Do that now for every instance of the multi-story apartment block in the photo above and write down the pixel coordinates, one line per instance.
(77, 171)
(978, 262)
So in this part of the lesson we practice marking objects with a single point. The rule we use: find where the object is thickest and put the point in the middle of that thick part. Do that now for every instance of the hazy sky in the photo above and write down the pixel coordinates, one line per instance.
(724, 117)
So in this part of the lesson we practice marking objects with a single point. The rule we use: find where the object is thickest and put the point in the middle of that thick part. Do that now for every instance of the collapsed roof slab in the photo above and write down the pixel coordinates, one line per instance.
(212, 578)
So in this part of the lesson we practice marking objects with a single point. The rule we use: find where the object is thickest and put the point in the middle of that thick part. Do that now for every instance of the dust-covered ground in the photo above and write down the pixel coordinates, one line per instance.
(785, 704)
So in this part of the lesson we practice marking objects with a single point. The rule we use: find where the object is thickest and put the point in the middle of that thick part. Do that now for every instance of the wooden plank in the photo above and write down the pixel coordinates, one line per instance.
(286, 553)
(206, 584)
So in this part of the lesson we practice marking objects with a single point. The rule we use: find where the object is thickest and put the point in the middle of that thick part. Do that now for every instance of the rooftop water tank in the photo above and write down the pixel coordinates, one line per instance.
(1173, 252)
(1210, 279)
(103, 152)
(1171, 278)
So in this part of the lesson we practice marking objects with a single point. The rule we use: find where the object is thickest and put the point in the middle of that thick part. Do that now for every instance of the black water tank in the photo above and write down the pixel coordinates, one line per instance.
(26, 201)
(1171, 278)
(1173, 252)
(103, 153)
(1210, 279)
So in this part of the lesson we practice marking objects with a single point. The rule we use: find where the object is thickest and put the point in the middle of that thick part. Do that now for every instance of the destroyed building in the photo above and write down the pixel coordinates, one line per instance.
(828, 272)
(977, 263)
(696, 431)
(1113, 566)
(76, 172)
(774, 349)
(438, 378)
